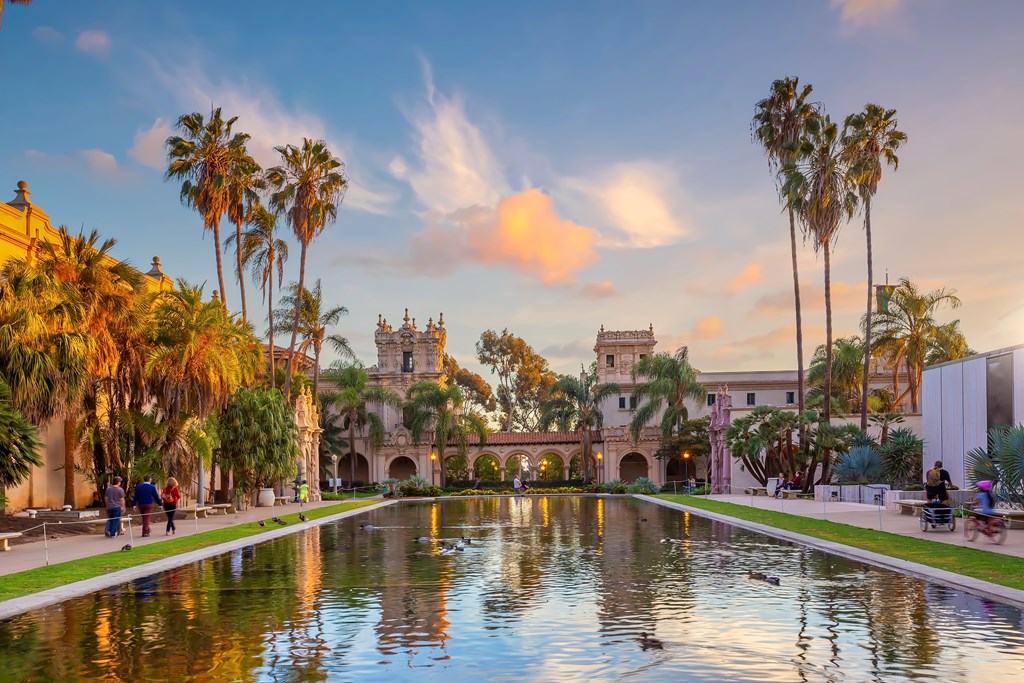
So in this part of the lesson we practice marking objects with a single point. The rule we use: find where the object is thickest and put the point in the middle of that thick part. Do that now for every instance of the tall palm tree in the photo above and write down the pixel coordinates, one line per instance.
(906, 329)
(575, 405)
(308, 187)
(202, 158)
(872, 141)
(847, 372)
(779, 124)
(439, 409)
(263, 253)
(664, 383)
(948, 343)
(19, 445)
(11, 2)
(355, 402)
(245, 177)
(314, 323)
(819, 187)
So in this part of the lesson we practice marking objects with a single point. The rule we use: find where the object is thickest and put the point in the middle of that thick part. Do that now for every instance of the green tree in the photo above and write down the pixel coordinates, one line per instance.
(355, 403)
(259, 440)
(438, 409)
(947, 343)
(314, 322)
(1001, 462)
(902, 455)
(307, 188)
(244, 179)
(763, 442)
(872, 140)
(575, 405)
(779, 125)
(19, 445)
(202, 158)
(665, 383)
(820, 189)
(525, 381)
(475, 389)
(847, 375)
(885, 420)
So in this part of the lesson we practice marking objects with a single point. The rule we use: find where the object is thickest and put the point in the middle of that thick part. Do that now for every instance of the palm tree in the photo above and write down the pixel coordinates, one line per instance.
(245, 177)
(884, 421)
(308, 186)
(666, 382)
(847, 375)
(11, 2)
(202, 158)
(819, 188)
(906, 330)
(779, 124)
(313, 325)
(575, 405)
(948, 343)
(352, 398)
(19, 445)
(263, 253)
(872, 141)
(440, 409)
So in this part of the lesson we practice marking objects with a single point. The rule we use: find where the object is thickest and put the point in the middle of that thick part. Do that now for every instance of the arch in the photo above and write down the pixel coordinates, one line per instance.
(574, 467)
(456, 467)
(551, 467)
(402, 468)
(632, 466)
(519, 463)
(345, 469)
(678, 469)
(487, 467)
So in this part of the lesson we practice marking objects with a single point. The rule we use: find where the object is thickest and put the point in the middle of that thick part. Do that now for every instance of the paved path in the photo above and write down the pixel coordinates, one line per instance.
(867, 517)
(31, 555)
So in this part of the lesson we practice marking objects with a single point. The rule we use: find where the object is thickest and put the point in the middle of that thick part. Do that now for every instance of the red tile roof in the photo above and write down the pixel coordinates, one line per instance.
(526, 438)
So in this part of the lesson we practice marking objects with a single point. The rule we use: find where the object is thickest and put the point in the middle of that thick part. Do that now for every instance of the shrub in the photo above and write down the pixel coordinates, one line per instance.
(418, 486)
(1001, 463)
(643, 485)
(701, 491)
(901, 456)
(613, 486)
(859, 465)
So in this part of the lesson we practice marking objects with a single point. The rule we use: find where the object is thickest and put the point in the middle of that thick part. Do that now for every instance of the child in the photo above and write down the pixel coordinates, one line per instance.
(985, 504)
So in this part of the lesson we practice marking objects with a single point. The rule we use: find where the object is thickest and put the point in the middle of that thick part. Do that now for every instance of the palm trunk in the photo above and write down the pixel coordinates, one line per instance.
(914, 380)
(241, 279)
(828, 335)
(70, 427)
(444, 472)
(270, 316)
(295, 321)
(220, 264)
(585, 456)
(799, 322)
(352, 450)
(316, 369)
(867, 323)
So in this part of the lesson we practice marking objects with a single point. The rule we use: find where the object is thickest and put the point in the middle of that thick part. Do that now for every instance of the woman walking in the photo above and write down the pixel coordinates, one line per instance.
(170, 497)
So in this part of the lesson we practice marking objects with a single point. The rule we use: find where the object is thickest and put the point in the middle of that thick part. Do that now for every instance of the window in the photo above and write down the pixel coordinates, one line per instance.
(622, 402)
(711, 399)
(643, 355)
(999, 390)
(632, 402)
(790, 398)
(751, 398)
(407, 361)
(609, 361)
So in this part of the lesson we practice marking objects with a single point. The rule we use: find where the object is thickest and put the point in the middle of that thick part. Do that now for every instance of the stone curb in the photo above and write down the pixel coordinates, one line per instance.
(985, 589)
(26, 603)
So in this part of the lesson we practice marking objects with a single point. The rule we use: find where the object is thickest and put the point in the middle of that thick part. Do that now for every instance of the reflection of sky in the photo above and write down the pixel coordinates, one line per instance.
(550, 589)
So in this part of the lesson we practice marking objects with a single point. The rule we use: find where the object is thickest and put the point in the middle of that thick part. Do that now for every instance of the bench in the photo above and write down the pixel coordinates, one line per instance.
(192, 513)
(6, 537)
(1014, 518)
(910, 507)
(99, 525)
(757, 491)
(282, 500)
(795, 494)
(222, 509)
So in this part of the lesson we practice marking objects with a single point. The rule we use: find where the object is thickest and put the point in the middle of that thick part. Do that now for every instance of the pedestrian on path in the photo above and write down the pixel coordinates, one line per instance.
(115, 500)
(303, 492)
(170, 497)
(517, 484)
(146, 498)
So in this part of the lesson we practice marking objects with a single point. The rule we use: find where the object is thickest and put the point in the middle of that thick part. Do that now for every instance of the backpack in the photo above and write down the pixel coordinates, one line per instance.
(934, 477)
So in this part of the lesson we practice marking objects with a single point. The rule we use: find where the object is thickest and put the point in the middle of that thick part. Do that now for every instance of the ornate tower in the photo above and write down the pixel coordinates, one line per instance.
(617, 352)
(407, 355)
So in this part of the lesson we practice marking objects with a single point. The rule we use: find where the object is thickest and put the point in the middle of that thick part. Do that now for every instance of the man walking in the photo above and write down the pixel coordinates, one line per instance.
(146, 498)
(114, 497)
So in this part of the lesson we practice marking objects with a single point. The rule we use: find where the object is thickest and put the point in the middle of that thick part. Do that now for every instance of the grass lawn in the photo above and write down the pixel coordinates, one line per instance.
(978, 564)
(44, 578)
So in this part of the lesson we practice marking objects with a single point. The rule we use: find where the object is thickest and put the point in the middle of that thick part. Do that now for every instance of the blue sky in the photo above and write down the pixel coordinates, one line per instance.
(546, 167)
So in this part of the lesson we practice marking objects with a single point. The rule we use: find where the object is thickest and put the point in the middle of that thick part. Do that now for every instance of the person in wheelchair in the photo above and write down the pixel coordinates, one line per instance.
(985, 505)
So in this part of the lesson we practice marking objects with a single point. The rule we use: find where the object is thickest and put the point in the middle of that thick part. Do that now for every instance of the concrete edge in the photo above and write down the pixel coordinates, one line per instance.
(15, 606)
(985, 589)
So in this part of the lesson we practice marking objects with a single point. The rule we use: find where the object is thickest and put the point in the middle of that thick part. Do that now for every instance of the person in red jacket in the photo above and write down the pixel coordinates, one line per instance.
(170, 497)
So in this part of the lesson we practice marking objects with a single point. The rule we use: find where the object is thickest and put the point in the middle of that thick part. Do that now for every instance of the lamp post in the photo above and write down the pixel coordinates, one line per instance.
(334, 461)
(433, 467)
(600, 473)
(686, 468)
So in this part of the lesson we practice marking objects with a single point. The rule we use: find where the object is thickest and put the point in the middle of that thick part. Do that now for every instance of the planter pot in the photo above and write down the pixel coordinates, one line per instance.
(265, 499)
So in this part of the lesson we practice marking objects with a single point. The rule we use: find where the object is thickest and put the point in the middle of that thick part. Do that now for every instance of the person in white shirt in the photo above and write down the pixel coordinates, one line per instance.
(517, 484)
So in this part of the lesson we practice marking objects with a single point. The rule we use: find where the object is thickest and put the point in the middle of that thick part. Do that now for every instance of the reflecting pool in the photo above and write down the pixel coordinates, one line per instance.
(548, 589)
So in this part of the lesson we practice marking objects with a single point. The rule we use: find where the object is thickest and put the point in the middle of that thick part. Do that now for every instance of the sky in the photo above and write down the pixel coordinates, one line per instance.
(545, 167)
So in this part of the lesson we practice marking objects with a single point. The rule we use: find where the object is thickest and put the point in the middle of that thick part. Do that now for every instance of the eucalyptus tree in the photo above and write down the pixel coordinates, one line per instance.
(664, 384)
(244, 179)
(307, 187)
(576, 405)
(202, 157)
(872, 140)
(357, 403)
(819, 187)
(314, 324)
(439, 410)
(779, 124)
(263, 253)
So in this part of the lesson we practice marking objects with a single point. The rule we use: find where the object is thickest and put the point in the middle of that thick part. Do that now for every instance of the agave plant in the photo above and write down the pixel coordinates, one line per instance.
(902, 455)
(643, 485)
(859, 465)
(1001, 463)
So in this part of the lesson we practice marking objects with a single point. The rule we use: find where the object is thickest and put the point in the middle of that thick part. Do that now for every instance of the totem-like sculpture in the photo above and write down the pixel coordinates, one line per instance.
(721, 459)
(308, 421)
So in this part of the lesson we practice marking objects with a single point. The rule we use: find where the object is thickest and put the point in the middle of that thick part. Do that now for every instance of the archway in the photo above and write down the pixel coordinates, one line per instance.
(551, 467)
(487, 468)
(576, 473)
(456, 468)
(345, 470)
(632, 467)
(519, 464)
(402, 468)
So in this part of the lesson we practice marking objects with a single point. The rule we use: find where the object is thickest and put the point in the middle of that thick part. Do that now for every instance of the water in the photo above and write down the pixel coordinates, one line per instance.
(549, 589)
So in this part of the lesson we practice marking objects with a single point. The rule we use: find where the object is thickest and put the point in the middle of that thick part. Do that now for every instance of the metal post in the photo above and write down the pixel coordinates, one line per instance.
(46, 546)
(131, 536)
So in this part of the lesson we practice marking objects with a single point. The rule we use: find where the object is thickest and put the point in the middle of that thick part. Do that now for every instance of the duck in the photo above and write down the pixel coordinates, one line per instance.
(467, 541)
(126, 547)
(643, 519)
(279, 521)
(758, 576)
(650, 643)
(366, 527)
(773, 580)
(303, 518)
(261, 523)
(423, 539)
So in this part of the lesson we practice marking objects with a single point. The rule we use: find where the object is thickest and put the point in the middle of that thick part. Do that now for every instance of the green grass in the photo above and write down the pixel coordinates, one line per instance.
(44, 578)
(1004, 570)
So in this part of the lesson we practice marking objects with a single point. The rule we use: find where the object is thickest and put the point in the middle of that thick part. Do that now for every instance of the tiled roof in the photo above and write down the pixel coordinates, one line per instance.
(525, 438)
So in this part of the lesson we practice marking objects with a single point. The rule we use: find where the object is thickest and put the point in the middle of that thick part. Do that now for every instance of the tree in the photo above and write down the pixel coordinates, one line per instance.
(884, 421)
(665, 384)
(905, 330)
(819, 187)
(689, 437)
(263, 253)
(847, 364)
(314, 322)
(1001, 462)
(525, 381)
(308, 187)
(575, 405)
(763, 442)
(244, 178)
(439, 409)
(19, 445)
(259, 439)
(947, 343)
(871, 140)
(356, 404)
(779, 125)
(475, 389)
(202, 158)
(12, 2)
(902, 455)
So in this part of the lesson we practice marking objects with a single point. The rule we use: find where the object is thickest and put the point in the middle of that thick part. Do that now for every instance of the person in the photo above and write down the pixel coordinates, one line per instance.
(693, 484)
(936, 480)
(517, 484)
(170, 497)
(115, 500)
(780, 485)
(303, 492)
(985, 505)
(526, 485)
(795, 484)
(146, 498)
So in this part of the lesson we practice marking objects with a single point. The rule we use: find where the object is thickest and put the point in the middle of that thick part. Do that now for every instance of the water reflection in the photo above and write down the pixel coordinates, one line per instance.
(550, 588)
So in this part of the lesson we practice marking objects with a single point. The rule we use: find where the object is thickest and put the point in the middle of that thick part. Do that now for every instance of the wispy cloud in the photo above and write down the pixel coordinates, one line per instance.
(708, 328)
(99, 161)
(598, 290)
(93, 42)
(148, 145)
(751, 274)
(857, 13)
(47, 34)
(95, 161)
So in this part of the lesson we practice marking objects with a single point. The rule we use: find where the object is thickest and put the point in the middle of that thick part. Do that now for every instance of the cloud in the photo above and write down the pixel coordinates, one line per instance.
(750, 275)
(707, 328)
(47, 34)
(857, 13)
(598, 290)
(95, 161)
(93, 42)
(99, 161)
(845, 296)
(758, 346)
(148, 145)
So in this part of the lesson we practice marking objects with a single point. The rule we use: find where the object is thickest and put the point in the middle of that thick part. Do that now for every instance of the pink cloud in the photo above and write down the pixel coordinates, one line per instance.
(708, 328)
(598, 290)
(750, 275)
